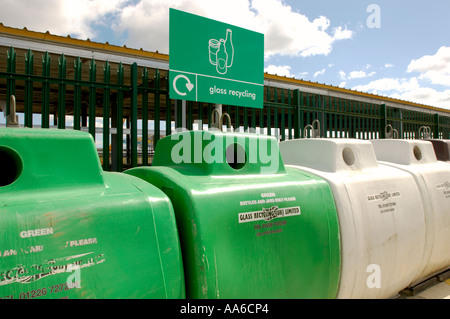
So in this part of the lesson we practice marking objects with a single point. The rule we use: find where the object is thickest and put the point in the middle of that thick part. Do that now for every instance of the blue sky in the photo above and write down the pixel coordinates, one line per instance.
(408, 30)
(406, 55)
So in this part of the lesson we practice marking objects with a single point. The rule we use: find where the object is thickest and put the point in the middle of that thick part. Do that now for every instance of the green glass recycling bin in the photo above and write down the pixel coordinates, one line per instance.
(249, 227)
(70, 230)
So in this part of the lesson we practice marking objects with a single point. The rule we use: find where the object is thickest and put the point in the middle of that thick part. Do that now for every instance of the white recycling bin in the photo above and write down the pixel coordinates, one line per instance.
(380, 213)
(433, 178)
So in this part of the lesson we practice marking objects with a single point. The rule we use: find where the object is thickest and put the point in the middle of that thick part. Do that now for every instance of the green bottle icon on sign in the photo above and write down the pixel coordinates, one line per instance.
(221, 53)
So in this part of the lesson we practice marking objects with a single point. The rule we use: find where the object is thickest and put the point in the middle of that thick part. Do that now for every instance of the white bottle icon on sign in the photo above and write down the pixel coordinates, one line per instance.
(229, 48)
(221, 53)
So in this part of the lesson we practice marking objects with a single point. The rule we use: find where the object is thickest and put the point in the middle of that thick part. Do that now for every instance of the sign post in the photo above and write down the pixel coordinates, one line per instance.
(215, 62)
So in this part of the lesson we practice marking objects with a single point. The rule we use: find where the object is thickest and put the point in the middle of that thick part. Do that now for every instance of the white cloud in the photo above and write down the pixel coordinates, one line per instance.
(436, 62)
(281, 70)
(389, 84)
(322, 23)
(431, 69)
(286, 32)
(284, 70)
(321, 72)
(61, 17)
(145, 23)
(357, 75)
(434, 68)
(342, 34)
(388, 65)
(408, 90)
(427, 96)
(302, 75)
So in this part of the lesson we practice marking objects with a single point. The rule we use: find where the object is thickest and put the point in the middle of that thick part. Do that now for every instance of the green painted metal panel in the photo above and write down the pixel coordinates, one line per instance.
(249, 228)
(66, 222)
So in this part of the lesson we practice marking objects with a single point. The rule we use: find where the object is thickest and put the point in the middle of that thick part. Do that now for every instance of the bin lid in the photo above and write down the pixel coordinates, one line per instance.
(404, 152)
(329, 155)
(47, 158)
(219, 153)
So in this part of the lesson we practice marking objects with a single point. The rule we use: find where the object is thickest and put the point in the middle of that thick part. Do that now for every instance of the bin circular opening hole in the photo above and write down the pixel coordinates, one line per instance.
(10, 166)
(348, 156)
(236, 156)
(417, 153)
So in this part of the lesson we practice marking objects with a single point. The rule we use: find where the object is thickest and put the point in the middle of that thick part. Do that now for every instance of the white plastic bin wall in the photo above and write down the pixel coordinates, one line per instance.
(380, 213)
(417, 157)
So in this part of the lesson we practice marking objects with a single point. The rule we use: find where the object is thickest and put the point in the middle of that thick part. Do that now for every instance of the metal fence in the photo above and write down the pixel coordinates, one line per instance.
(127, 108)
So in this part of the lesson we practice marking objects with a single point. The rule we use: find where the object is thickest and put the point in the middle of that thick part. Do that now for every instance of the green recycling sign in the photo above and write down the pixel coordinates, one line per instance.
(214, 62)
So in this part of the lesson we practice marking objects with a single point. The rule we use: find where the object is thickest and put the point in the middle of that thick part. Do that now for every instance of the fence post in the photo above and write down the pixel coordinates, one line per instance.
(383, 121)
(106, 115)
(77, 94)
(275, 113)
(62, 73)
(289, 115)
(29, 60)
(145, 117)
(133, 106)
(297, 129)
(46, 90)
(283, 124)
(92, 96)
(10, 83)
(269, 116)
(119, 119)
(157, 127)
(168, 109)
(436, 126)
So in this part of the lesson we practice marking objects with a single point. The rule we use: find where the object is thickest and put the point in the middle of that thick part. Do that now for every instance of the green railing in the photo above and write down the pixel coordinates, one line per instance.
(127, 108)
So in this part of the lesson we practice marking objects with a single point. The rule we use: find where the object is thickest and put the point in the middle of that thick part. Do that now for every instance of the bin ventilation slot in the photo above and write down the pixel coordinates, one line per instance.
(236, 156)
(348, 156)
(10, 166)
(417, 153)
